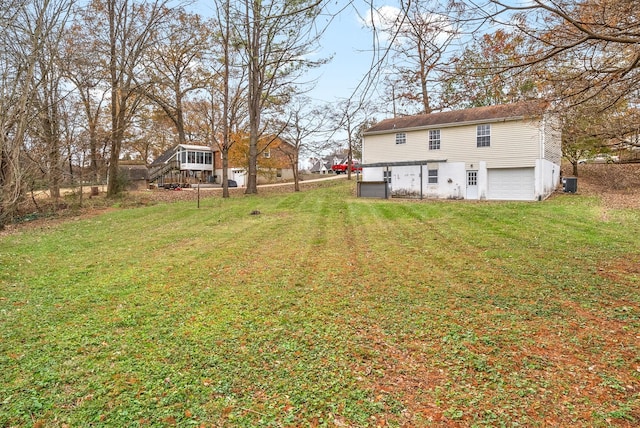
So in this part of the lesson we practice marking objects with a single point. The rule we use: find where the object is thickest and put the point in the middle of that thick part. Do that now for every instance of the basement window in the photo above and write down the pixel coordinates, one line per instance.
(432, 176)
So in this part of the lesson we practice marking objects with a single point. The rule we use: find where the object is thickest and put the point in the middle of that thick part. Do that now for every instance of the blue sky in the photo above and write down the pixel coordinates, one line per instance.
(350, 44)
(347, 40)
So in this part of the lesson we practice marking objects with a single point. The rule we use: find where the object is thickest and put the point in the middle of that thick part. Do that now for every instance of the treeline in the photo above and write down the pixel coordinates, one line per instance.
(86, 84)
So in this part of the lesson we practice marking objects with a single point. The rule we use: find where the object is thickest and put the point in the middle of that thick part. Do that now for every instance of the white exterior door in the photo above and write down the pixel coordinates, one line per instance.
(511, 184)
(472, 184)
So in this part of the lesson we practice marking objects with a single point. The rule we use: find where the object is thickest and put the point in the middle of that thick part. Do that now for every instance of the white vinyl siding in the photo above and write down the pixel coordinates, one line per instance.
(513, 144)
(552, 140)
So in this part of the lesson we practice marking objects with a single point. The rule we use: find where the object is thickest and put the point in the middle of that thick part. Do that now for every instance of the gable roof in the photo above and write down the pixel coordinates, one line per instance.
(468, 116)
(164, 157)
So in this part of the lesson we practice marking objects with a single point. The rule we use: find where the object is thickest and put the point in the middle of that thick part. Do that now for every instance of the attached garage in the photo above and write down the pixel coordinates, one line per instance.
(511, 184)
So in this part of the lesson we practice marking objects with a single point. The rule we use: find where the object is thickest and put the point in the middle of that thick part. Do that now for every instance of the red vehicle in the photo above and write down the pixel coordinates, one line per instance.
(341, 168)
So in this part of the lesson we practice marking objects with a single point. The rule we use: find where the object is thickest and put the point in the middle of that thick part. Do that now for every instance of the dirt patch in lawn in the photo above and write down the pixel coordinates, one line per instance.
(618, 185)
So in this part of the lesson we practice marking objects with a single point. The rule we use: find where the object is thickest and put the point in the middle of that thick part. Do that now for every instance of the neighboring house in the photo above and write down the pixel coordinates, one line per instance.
(183, 164)
(504, 152)
(274, 161)
(135, 174)
(191, 164)
(323, 165)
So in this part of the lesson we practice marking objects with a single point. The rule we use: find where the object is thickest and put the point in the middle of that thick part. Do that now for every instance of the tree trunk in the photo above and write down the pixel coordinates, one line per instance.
(296, 177)
(182, 138)
(224, 153)
(253, 25)
(112, 182)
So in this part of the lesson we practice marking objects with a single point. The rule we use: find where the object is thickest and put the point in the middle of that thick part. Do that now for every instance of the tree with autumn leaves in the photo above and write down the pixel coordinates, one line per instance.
(483, 73)
(274, 154)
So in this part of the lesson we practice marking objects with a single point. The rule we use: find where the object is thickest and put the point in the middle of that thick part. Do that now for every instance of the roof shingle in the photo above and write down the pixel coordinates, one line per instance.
(478, 114)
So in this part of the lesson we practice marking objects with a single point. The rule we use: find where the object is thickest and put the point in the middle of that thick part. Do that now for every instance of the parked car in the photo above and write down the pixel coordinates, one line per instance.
(342, 168)
(232, 183)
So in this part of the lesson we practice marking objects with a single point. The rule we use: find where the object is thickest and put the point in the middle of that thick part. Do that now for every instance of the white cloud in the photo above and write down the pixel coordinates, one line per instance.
(387, 20)
(383, 18)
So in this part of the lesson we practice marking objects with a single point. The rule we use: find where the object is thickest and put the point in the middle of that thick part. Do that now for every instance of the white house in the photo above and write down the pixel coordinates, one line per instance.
(184, 163)
(504, 152)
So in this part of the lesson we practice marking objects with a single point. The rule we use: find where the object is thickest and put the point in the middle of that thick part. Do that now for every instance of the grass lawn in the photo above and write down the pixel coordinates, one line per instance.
(324, 310)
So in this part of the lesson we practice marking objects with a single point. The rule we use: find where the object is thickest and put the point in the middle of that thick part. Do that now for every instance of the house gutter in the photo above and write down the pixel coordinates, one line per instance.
(403, 163)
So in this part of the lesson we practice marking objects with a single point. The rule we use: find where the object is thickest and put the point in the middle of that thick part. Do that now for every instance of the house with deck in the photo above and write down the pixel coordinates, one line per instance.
(184, 164)
(503, 152)
(188, 164)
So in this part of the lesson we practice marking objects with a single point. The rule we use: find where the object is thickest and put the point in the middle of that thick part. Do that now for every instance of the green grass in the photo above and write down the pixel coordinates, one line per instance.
(324, 310)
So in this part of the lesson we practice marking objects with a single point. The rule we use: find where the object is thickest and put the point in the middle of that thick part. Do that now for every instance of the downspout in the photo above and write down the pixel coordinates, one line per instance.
(421, 178)
(386, 185)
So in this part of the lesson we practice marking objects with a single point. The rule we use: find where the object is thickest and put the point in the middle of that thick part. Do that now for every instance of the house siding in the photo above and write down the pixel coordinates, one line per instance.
(552, 139)
(458, 144)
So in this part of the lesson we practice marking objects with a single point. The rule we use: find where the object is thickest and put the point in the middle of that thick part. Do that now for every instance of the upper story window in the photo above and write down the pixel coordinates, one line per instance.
(401, 138)
(266, 154)
(434, 139)
(483, 136)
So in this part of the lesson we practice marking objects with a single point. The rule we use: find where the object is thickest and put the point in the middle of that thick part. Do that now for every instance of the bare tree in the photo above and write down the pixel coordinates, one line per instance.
(175, 65)
(229, 90)
(28, 29)
(275, 38)
(82, 66)
(49, 96)
(123, 31)
(304, 121)
(593, 41)
(352, 119)
(421, 39)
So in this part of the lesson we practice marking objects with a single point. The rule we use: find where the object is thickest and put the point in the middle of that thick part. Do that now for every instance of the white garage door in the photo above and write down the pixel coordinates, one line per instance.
(512, 184)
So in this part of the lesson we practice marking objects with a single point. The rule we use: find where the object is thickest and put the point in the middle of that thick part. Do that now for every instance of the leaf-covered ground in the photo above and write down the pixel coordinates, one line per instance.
(324, 310)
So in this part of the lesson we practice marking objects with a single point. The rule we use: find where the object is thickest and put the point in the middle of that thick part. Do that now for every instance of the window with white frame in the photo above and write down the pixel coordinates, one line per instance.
(434, 139)
(432, 176)
(266, 154)
(483, 136)
(401, 138)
